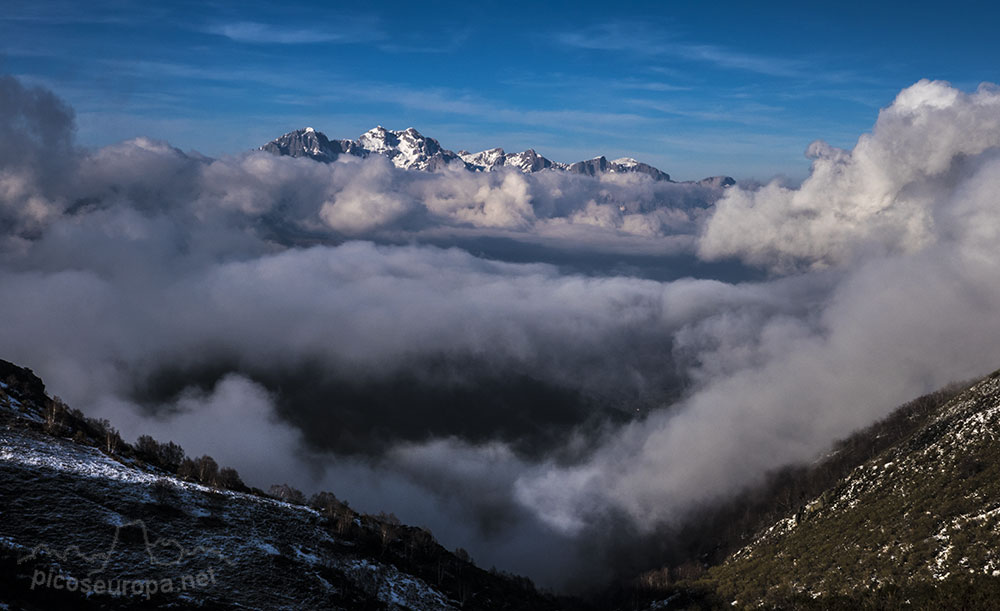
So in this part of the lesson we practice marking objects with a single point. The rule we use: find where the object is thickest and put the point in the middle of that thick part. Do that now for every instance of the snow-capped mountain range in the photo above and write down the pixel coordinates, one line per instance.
(410, 150)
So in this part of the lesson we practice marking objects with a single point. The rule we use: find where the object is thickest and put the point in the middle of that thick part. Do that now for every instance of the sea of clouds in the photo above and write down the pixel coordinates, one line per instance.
(530, 365)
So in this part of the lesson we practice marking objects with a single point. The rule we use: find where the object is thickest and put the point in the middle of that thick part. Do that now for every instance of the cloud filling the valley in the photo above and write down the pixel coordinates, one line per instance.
(337, 315)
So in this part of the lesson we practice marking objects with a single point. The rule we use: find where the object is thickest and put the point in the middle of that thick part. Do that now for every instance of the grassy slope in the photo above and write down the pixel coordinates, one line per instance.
(917, 525)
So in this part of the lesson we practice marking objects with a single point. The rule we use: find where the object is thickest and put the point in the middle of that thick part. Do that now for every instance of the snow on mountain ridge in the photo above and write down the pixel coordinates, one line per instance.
(410, 150)
(407, 149)
(488, 160)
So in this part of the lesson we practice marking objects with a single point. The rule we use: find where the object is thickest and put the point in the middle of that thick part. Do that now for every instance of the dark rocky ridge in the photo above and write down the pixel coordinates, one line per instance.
(75, 515)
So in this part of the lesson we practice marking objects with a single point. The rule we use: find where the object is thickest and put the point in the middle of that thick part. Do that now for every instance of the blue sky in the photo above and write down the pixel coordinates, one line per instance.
(696, 89)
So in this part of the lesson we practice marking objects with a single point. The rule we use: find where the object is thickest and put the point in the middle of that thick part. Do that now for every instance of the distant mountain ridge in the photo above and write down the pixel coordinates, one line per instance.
(410, 150)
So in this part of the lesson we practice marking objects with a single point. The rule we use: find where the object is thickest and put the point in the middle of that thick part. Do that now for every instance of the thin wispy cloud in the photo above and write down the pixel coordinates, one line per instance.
(746, 114)
(265, 33)
(69, 13)
(449, 42)
(249, 75)
(639, 40)
(562, 81)
(648, 85)
(335, 89)
(725, 58)
(464, 104)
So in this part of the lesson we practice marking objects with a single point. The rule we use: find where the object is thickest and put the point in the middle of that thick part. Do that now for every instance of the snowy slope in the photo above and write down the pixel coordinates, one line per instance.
(71, 511)
(241, 537)
(526, 161)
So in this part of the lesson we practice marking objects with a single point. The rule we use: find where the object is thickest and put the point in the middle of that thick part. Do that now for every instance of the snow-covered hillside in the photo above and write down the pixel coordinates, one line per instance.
(82, 527)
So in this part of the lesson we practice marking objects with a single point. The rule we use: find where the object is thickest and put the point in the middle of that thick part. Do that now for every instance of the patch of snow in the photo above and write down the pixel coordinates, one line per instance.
(326, 584)
(199, 512)
(307, 556)
(396, 588)
(938, 570)
(60, 455)
(81, 460)
(9, 542)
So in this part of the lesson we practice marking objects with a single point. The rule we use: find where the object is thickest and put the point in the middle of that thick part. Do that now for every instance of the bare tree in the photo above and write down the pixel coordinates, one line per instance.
(55, 414)
(388, 529)
(419, 542)
(229, 478)
(148, 449)
(287, 493)
(207, 469)
(171, 456)
(112, 440)
(324, 501)
(343, 517)
(188, 469)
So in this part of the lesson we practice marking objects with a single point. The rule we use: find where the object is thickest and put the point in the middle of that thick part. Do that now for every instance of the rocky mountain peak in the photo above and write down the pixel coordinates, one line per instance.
(408, 149)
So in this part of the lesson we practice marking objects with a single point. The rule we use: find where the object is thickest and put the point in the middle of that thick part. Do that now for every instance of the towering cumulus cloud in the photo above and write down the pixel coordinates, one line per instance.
(499, 353)
(890, 194)
(36, 131)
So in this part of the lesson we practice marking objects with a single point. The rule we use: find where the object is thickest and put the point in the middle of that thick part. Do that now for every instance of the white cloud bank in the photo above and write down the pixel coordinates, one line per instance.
(909, 222)
(171, 292)
(893, 193)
